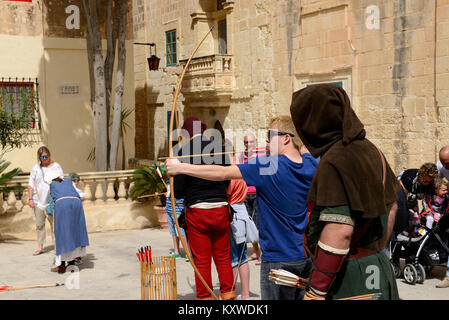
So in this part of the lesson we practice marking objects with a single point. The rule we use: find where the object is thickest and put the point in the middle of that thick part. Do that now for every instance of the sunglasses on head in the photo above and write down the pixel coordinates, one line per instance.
(43, 157)
(273, 133)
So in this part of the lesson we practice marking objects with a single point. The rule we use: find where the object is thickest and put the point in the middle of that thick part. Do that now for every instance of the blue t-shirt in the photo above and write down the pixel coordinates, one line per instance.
(282, 188)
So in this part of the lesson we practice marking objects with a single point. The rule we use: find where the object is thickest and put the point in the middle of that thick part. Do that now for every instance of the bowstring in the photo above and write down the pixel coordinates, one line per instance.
(238, 263)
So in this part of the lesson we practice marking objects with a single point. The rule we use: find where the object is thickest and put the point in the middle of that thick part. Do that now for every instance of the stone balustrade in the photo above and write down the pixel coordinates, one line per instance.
(106, 206)
(209, 64)
(99, 187)
(209, 81)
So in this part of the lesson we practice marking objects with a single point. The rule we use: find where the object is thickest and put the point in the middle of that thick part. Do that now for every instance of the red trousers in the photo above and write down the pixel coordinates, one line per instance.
(208, 235)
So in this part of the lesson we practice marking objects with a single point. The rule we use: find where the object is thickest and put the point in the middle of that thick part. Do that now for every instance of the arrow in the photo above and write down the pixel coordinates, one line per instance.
(7, 288)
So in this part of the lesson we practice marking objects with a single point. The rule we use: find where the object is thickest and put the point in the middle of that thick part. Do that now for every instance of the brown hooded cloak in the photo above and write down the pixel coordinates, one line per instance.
(350, 169)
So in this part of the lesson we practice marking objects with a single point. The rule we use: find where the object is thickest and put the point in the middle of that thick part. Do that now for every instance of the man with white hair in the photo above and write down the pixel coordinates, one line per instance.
(443, 162)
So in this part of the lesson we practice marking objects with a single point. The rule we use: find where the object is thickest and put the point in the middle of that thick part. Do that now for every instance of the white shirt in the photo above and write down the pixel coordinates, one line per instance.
(81, 194)
(444, 173)
(41, 190)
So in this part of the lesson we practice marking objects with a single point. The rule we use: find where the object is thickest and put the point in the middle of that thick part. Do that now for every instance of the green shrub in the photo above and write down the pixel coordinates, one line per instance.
(7, 176)
(147, 182)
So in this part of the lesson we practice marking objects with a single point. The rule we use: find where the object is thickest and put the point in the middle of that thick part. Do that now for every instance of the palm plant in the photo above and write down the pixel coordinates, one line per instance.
(126, 112)
(5, 177)
(147, 182)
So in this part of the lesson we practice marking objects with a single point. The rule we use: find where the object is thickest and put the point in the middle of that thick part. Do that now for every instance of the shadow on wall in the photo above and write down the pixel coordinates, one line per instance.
(152, 121)
(144, 123)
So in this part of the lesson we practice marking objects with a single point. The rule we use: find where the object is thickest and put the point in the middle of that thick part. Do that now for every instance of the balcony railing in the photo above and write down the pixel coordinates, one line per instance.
(106, 206)
(209, 77)
(100, 188)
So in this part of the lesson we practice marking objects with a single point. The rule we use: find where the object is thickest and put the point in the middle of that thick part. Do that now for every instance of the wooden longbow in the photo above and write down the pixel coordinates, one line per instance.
(170, 151)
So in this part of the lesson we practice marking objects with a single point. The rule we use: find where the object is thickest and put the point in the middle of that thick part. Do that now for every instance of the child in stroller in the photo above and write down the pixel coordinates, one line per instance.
(422, 248)
(435, 205)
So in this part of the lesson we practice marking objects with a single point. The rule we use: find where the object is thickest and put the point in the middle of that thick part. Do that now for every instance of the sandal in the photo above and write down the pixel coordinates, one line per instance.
(37, 252)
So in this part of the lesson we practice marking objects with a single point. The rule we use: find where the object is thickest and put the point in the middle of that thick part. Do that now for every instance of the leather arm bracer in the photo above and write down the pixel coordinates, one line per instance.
(327, 263)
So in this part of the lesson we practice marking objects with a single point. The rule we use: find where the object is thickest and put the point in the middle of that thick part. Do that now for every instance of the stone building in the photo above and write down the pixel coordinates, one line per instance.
(392, 57)
(43, 46)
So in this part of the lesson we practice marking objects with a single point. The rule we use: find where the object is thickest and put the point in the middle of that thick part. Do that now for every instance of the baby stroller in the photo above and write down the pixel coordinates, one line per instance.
(422, 249)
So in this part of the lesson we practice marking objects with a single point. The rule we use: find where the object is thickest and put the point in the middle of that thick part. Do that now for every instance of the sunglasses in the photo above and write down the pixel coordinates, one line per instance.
(251, 141)
(43, 157)
(274, 133)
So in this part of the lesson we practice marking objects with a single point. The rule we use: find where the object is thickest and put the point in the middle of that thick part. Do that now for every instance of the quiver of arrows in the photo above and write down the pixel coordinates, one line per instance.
(286, 278)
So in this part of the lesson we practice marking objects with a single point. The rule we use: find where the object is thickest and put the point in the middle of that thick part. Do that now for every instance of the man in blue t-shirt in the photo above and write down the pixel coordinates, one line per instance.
(282, 181)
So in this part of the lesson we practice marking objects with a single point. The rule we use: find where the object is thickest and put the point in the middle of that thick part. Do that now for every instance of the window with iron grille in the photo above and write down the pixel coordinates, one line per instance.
(19, 99)
(170, 40)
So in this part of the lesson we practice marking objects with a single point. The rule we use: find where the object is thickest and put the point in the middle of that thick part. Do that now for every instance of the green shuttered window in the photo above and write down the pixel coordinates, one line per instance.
(170, 41)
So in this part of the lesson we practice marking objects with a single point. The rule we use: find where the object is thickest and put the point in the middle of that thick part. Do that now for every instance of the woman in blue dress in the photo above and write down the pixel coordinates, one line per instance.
(69, 222)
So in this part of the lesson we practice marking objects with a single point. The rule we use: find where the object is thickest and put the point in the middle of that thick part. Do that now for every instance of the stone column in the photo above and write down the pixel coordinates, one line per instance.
(24, 199)
(1, 203)
(11, 202)
(99, 195)
(87, 190)
(122, 189)
(110, 194)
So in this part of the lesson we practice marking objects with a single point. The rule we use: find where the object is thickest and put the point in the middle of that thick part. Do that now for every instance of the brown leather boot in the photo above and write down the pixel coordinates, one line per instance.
(59, 269)
(227, 295)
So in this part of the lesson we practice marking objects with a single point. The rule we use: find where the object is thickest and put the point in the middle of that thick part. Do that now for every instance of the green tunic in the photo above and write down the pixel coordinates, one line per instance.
(371, 274)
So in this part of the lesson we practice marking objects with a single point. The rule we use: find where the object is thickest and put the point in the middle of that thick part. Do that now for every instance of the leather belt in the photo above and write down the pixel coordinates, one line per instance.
(67, 198)
(211, 200)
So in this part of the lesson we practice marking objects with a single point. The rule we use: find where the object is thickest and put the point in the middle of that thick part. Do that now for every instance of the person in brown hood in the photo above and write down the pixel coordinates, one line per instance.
(353, 195)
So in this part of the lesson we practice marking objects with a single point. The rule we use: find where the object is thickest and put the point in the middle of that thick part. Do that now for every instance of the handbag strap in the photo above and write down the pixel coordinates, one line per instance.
(35, 182)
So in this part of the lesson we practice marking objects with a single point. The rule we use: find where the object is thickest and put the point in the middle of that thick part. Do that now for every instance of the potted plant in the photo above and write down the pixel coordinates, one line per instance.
(148, 184)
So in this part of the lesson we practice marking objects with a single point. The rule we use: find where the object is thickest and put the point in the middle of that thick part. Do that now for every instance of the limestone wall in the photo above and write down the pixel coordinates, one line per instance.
(390, 56)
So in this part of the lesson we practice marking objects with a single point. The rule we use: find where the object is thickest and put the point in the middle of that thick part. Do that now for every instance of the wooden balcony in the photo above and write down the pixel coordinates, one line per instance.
(209, 81)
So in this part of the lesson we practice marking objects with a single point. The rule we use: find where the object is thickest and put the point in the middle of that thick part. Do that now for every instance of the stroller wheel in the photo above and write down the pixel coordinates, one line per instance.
(396, 268)
(410, 274)
(421, 273)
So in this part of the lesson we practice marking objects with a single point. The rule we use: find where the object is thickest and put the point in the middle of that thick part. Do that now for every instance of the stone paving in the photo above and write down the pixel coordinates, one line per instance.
(111, 271)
